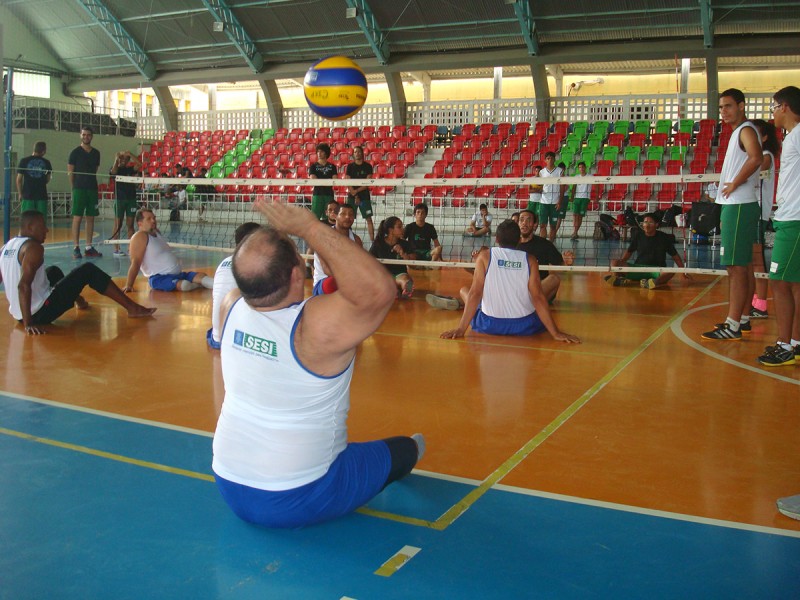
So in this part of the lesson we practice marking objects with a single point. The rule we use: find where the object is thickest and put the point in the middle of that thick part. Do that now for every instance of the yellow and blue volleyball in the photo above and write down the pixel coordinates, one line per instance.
(335, 88)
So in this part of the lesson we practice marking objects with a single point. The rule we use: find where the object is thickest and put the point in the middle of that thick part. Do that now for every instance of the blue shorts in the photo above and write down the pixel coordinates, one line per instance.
(168, 283)
(527, 325)
(210, 340)
(357, 475)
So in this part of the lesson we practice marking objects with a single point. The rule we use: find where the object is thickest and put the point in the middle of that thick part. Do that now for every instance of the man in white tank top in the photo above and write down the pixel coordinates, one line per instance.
(224, 283)
(506, 296)
(738, 195)
(281, 456)
(151, 253)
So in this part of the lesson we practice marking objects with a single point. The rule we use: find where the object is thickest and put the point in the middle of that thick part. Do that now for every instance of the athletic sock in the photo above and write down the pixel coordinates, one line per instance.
(795, 343)
(207, 282)
(733, 325)
(420, 440)
(187, 286)
(745, 319)
(759, 304)
(784, 345)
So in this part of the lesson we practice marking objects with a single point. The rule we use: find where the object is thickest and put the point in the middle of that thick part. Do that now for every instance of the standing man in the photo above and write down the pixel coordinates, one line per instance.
(38, 296)
(82, 172)
(552, 196)
(321, 169)
(738, 196)
(359, 196)
(580, 201)
(125, 205)
(506, 296)
(784, 270)
(281, 455)
(33, 175)
(151, 253)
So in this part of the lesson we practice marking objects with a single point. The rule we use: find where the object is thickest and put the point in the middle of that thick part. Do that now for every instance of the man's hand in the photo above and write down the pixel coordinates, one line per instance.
(452, 334)
(728, 188)
(34, 330)
(291, 219)
(566, 337)
(127, 289)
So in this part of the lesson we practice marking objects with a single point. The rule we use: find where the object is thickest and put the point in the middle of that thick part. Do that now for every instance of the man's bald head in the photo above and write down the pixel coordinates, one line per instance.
(263, 265)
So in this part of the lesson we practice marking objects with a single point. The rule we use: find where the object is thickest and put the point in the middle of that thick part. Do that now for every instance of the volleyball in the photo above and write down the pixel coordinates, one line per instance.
(335, 88)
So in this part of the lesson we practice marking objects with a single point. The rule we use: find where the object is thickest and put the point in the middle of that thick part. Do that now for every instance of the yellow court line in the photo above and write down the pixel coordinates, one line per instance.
(109, 455)
(514, 460)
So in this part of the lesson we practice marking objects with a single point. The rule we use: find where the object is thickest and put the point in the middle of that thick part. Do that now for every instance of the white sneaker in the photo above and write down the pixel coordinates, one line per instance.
(443, 302)
(119, 253)
(790, 506)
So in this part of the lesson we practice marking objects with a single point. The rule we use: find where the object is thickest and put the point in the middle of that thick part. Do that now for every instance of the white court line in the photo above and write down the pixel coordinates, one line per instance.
(678, 331)
(652, 512)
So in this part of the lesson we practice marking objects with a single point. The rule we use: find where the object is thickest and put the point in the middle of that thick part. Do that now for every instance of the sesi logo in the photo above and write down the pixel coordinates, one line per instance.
(509, 264)
(256, 344)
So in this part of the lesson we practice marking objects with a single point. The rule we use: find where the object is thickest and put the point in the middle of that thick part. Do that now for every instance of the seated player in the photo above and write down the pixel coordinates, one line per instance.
(651, 248)
(389, 244)
(545, 253)
(330, 213)
(323, 284)
(151, 253)
(38, 296)
(422, 235)
(224, 283)
(506, 296)
(480, 224)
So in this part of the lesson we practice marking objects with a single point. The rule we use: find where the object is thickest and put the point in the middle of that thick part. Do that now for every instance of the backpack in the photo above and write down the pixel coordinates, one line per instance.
(668, 220)
(631, 218)
(604, 229)
(174, 215)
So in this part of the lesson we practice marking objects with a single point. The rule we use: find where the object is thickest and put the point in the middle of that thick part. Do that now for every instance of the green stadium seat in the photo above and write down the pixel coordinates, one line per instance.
(622, 127)
(267, 134)
(642, 126)
(655, 153)
(686, 126)
(567, 155)
(664, 126)
(215, 172)
(677, 153)
(255, 134)
(588, 157)
(229, 159)
(580, 128)
(600, 127)
(633, 153)
(611, 153)
(229, 170)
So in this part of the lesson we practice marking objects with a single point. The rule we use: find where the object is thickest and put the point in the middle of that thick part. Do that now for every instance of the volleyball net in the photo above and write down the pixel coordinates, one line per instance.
(208, 220)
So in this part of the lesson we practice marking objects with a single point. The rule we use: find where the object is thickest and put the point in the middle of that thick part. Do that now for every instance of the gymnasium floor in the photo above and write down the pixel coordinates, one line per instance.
(639, 463)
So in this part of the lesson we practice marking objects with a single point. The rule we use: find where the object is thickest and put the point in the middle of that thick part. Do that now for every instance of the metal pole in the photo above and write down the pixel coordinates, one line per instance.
(7, 146)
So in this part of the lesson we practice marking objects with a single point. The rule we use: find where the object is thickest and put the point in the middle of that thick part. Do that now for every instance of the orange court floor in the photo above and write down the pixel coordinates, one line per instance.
(642, 413)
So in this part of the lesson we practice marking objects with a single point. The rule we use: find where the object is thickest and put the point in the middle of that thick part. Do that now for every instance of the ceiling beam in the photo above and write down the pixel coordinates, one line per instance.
(236, 33)
(527, 25)
(371, 29)
(706, 18)
(111, 25)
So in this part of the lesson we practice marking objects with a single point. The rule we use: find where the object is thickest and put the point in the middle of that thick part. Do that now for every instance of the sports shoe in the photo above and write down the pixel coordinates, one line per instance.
(789, 506)
(614, 280)
(119, 253)
(419, 439)
(408, 290)
(743, 327)
(722, 331)
(574, 237)
(92, 253)
(443, 302)
(648, 284)
(76, 253)
(758, 314)
(777, 356)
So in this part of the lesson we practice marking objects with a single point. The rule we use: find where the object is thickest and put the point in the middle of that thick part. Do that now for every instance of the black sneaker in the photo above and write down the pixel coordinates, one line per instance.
(76, 253)
(745, 327)
(722, 331)
(777, 356)
(758, 314)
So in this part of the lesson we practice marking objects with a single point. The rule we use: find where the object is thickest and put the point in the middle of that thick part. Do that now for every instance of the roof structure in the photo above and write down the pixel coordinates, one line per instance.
(113, 44)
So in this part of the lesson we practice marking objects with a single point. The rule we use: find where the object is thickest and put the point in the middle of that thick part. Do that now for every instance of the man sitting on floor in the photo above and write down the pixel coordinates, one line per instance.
(151, 253)
(38, 296)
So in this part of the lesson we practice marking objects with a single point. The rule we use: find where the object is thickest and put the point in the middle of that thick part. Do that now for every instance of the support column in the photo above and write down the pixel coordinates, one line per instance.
(398, 97)
(169, 112)
(274, 102)
(541, 91)
(712, 88)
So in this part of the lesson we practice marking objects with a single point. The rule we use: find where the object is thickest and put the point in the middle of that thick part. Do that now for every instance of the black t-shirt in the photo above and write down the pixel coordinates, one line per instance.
(85, 165)
(544, 251)
(362, 171)
(652, 250)
(328, 171)
(380, 249)
(125, 190)
(420, 237)
(34, 171)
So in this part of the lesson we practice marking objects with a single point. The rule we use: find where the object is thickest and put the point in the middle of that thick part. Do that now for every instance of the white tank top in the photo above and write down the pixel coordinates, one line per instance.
(159, 258)
(319, 272)
(223, 283)
(735, 158)
(12, 272)
(768, 189)
(505, 290)
(281, 426)
(789, 178)
(551, 192)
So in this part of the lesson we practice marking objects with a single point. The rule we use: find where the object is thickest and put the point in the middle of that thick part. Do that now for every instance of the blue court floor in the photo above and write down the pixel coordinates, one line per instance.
(97, 506)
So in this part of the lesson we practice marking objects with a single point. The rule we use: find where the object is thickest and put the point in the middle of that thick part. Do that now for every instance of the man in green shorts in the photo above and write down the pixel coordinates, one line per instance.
(321, 169)
(784, 269)
(82, 172)
(359, 195)
(125, 205)
(536, 196)
(738, 187)
(33, 175)
(580, 201)
(552, 197)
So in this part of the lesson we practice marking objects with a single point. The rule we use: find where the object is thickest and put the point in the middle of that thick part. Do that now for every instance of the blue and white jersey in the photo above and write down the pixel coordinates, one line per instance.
(505, 291)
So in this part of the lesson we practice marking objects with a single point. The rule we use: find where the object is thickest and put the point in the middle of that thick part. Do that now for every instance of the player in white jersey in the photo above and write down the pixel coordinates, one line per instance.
(739, 217)
(151, 253)
(224, 283)
(506, 296)
(784, 268)
(281, 455)
(552, 197)
(38, 296)
(345, 217)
